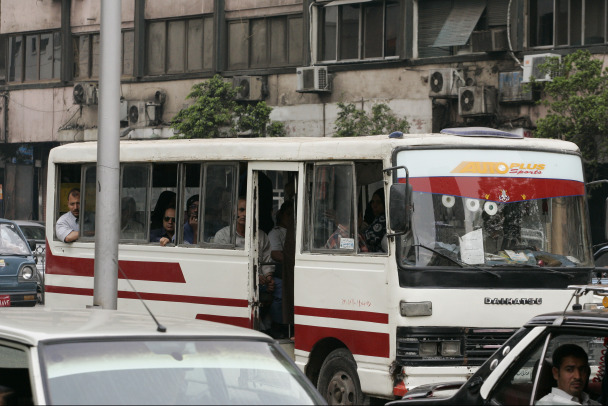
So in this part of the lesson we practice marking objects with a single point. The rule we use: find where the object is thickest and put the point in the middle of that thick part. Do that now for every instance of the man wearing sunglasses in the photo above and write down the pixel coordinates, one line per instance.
(165, 234)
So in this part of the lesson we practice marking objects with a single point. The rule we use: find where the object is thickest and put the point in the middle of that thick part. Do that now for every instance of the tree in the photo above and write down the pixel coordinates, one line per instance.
(215, 113)
(353, 122)
(577, 105)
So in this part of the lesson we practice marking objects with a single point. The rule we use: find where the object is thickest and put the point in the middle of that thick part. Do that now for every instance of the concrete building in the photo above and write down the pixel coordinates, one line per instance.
(439, 63)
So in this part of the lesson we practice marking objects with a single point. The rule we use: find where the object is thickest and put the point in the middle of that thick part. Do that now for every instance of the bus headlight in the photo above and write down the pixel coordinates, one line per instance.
(450, 348)
(27, 273)
(427, 349)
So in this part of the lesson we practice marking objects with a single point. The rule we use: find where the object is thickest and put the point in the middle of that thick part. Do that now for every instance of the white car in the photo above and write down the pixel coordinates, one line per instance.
(95, 356)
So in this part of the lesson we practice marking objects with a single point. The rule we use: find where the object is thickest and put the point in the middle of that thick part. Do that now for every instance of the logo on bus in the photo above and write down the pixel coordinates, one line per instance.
(499, 168)
(513, 300)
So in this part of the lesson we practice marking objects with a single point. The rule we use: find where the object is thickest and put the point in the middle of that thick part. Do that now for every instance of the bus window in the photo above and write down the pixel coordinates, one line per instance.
(134, 202)
(333, 210)
(69, 178)
(220, 188)
(163, 195)
(190, 203)
(87, 204)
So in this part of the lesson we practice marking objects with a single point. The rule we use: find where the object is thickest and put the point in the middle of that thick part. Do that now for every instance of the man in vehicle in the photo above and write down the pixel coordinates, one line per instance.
(571, 371)
(67, 228)
(191, 225)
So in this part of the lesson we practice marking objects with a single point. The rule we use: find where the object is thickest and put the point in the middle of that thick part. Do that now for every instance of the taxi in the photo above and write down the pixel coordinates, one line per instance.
(520, 372)
(106, 357)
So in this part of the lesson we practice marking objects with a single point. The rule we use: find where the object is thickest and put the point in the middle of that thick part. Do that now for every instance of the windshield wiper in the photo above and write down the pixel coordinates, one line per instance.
(457, 262)
(552, 270)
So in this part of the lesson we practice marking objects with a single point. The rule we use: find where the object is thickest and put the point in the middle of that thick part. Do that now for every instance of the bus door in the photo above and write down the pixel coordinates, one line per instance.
(273, 228)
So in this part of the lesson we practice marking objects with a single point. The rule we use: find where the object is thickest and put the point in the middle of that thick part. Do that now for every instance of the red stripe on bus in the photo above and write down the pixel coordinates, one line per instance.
(498, 189)
(358, 342)
(135, 270)
(215, 301)
(234, 321)
(342, 314)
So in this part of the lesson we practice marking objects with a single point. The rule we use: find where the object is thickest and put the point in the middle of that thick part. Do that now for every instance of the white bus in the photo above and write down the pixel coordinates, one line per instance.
(483, 231)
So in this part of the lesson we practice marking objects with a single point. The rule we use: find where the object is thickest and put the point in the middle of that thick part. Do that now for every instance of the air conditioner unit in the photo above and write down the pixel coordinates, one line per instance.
(476, 101)
(124, 111)
(313, 79)
(532, 70)
(142, 114)
(85, 93)
(444, 83)
(512, 90)
(492, 40)
(249, 88)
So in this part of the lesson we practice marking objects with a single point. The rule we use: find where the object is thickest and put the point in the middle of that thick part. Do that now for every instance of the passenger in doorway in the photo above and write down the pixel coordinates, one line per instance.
(571, 371)
(376, 231)
(277, 238)
(342, 237)
(191, 225)
(67, 227)
(165, 234)
(266, 272)
(129, 227)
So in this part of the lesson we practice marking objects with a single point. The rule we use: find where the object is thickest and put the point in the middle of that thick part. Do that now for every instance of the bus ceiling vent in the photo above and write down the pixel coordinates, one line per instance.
(480, 132)
(396, 134)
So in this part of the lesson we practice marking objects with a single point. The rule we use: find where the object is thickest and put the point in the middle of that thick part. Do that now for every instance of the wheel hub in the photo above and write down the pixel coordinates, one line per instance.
(341, 389)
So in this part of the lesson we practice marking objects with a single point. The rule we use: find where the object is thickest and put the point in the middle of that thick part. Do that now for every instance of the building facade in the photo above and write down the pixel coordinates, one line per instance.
(438, 63)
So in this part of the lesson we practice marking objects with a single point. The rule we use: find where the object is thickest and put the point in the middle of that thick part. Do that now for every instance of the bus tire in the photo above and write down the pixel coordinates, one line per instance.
(338, 379)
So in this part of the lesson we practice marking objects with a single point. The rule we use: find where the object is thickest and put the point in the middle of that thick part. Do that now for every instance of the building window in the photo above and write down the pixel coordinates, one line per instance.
(358, 30)
(34, 57)
(265, 42)
(567, 22)
(179, 46)
(87, 55)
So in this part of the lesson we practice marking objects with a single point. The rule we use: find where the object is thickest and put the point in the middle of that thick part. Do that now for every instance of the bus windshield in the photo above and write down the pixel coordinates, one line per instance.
(451, 230)
(513, 209)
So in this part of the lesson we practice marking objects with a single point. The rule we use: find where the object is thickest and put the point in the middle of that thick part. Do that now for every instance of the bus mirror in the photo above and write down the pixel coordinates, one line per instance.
(400, 207)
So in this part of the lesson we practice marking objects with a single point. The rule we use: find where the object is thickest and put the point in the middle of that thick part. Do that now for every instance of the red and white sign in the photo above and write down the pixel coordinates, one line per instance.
(5, 301)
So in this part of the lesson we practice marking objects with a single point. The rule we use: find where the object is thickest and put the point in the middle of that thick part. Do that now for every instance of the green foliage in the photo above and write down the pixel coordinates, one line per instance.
(352, 122)
(215, 112)
(577, 104)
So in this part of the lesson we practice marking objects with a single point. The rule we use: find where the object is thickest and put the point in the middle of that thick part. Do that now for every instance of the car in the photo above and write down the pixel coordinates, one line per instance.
(103, 357)
(19, 278)
(520, 372)
(34, 230)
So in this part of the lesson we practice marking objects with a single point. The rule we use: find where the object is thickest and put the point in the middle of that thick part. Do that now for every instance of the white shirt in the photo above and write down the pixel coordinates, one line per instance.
(65, 225)
(277, 238)
(559, 397)
(223, 237)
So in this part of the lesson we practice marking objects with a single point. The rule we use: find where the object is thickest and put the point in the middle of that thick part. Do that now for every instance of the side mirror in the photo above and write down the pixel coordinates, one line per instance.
(400, 207)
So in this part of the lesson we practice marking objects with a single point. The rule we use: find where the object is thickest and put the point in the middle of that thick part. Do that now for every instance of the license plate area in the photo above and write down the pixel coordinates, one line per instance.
(5, 301)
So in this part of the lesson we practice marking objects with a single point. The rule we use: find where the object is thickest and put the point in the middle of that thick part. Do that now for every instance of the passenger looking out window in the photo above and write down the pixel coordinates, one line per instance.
(165, 234)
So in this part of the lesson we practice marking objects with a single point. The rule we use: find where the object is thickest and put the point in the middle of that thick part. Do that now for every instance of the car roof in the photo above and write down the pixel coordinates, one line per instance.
(595, 318)
(36, 324)
(28, 223)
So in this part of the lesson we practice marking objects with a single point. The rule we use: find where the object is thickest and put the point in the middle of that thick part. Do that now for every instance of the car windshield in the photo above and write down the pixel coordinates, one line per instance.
(172, 372)
(33, 232)
(11, 242)
(450, 230)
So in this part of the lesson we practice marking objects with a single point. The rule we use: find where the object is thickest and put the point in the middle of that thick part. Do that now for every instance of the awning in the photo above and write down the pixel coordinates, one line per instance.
(460, 23)
(343, 2)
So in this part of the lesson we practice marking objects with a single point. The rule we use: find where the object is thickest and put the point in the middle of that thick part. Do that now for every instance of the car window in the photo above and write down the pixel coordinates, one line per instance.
(11, 242)
(33, 232)
(172, 372)
(515, 387)
(15, 384)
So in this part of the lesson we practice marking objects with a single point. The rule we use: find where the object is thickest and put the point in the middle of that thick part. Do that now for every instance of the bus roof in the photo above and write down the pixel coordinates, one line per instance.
(295, 148)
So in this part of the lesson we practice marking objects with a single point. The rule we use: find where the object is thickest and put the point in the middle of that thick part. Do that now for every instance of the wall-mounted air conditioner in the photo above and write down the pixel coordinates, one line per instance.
(85, 93)
(444, 83)
(532, 69)
(250, 88)
(492, 40)
(512, 90)
(142, 114)
(312, 79)
(476, 101)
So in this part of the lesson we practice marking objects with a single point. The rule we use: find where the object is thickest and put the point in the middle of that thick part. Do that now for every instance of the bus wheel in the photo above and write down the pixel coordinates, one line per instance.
(338, 379)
